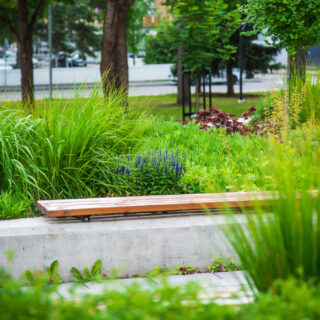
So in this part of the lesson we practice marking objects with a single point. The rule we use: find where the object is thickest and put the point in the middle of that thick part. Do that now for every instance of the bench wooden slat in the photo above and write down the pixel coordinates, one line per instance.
(121, 205)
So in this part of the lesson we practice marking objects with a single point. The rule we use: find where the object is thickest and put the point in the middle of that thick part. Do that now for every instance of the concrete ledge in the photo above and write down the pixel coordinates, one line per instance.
(135, 245)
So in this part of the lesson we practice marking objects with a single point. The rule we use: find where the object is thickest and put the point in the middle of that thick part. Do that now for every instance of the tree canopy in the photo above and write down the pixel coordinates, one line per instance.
(73, 28)
(204, 28)
(289, 23)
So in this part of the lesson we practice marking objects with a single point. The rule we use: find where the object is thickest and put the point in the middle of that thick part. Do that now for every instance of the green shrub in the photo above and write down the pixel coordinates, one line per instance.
(13, 206)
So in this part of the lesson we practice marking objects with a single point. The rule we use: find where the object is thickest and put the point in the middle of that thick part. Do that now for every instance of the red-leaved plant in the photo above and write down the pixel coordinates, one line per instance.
(218, 119)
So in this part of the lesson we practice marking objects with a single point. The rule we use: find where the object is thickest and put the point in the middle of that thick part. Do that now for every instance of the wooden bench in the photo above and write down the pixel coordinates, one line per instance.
(142, 204)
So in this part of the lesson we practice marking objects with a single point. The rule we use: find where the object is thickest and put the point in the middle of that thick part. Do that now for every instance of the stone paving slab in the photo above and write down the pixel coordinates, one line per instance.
(222, 287)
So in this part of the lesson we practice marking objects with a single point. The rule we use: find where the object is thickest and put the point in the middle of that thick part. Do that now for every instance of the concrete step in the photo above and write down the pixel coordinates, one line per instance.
(222, 287)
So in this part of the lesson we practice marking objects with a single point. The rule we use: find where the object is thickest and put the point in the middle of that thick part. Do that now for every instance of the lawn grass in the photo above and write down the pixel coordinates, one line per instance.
(165, 105)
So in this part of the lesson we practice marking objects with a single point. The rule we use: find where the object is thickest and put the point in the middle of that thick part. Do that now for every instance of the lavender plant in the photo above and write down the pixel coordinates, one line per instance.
(156, 172)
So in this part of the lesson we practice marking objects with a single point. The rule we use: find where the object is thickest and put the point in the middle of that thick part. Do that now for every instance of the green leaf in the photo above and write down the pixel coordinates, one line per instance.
(95, 270)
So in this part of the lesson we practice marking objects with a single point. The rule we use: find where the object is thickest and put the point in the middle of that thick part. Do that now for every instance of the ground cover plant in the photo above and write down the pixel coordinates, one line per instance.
(214, 118)
(159, 300)
(218, 162)
(14, 206)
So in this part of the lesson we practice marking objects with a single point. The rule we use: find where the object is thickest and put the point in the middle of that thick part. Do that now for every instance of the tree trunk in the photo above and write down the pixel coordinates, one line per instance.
(300, 64)
(230, 89)
(25, 45)
(287, 93)
(114, 62)
(198, 92)
(18, 57)
(183, 81)
(179, 75)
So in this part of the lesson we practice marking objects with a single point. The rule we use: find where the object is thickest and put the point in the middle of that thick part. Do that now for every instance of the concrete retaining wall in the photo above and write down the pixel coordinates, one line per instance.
(148, 72)
(137, 245)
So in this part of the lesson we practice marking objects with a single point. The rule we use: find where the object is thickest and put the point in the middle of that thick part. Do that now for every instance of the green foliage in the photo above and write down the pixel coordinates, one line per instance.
(13, 205)
(161, 48)
(222, 265)
(63, 150)
(156, 172)
(305, 96)
(186, 269)
(290, 299)
(290, 24)
(87, 275)
(284, 243)
(216, 162)
(204, 29)
(9, 22)
(50, 276)
(135, 24)
(72, 28)
(304, 104)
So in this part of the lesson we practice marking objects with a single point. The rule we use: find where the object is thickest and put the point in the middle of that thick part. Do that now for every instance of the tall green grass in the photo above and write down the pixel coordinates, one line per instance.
(304, 101)
(284, 242)
(66, 150)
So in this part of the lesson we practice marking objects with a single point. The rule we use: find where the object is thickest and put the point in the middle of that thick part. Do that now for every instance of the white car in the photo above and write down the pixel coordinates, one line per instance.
(5, 65)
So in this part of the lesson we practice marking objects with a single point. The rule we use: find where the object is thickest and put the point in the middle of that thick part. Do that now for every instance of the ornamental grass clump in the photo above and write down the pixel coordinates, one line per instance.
(62, 149)
(303, 105)
(284, 240)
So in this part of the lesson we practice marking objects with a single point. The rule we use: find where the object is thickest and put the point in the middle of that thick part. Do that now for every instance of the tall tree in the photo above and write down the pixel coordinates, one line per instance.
(203, 29)
(293, 25)
(256, 58)
(161, 47)
(21, 17)
(135, 25)
(114, 63)
(73, 28)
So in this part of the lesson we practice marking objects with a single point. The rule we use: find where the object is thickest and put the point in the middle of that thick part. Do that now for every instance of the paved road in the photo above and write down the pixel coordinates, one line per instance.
(258, 84)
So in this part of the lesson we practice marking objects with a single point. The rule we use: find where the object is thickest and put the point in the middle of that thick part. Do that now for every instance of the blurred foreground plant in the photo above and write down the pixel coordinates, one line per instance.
(284, 241)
